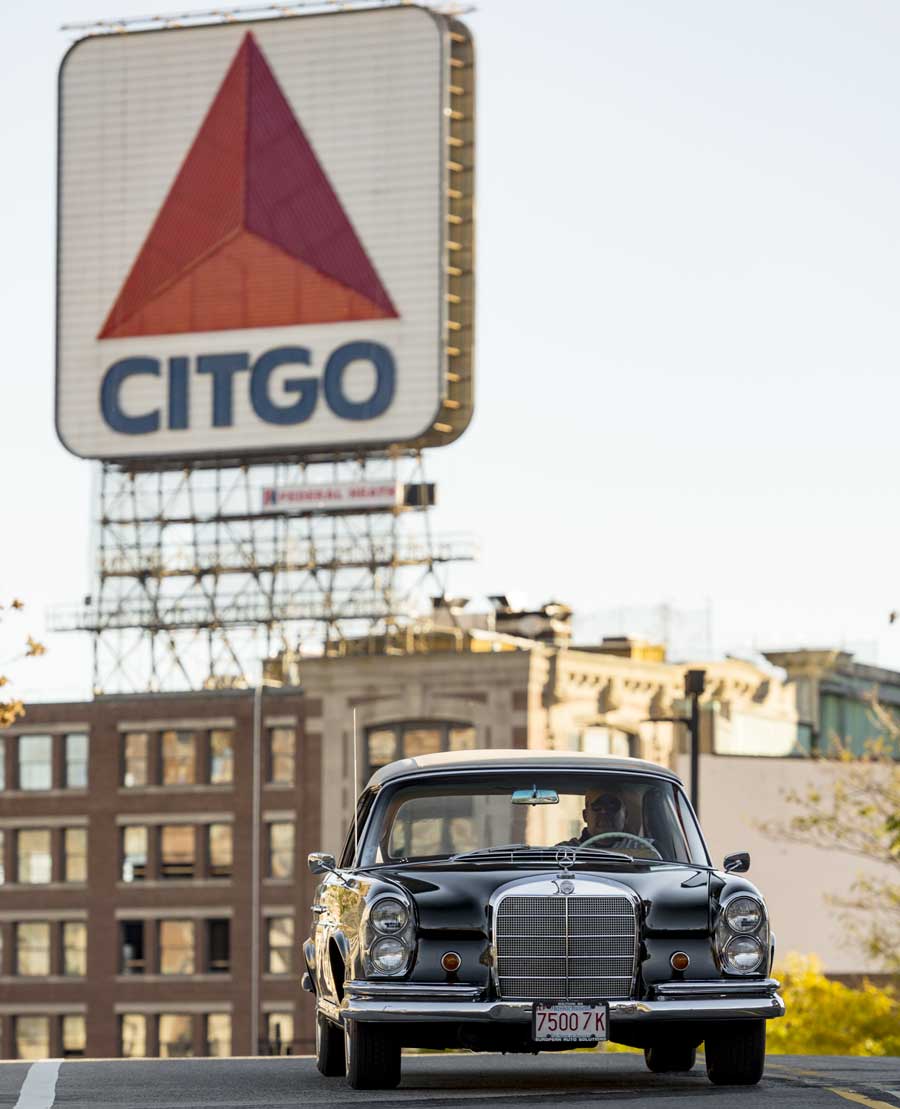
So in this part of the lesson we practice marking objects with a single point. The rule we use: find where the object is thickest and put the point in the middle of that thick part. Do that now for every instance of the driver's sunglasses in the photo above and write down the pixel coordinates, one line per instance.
(609, 808)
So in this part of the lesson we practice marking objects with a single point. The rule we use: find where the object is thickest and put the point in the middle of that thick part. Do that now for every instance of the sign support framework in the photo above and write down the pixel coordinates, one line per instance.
(197, 580)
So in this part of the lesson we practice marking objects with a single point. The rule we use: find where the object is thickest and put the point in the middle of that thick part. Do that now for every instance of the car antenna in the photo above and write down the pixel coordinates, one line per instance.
(355, 800)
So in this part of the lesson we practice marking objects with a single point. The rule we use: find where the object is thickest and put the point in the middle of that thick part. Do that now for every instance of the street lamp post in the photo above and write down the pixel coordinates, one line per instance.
(694, 684)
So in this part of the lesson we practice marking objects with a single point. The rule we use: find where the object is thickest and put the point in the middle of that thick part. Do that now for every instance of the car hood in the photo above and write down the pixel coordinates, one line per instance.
(455, 897)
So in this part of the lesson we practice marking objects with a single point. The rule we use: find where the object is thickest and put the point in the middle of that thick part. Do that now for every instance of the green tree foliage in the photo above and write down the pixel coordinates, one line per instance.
(858, 813)
(828, 1018)
(11, 708)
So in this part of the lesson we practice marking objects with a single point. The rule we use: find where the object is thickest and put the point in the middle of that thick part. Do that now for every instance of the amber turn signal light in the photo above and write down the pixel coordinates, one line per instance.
(680, 961)
(450, 961)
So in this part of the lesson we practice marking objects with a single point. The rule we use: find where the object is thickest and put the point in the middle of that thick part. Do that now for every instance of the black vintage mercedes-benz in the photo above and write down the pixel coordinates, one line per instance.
(533, 901)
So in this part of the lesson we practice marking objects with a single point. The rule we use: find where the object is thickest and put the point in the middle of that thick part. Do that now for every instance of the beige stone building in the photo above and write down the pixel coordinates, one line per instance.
(519, 683)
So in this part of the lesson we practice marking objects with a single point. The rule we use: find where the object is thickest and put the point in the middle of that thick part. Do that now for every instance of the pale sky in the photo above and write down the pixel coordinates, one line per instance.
(687, 353)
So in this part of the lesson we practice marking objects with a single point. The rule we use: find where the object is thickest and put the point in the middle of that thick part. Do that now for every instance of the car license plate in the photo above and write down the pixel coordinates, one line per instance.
(565, 1020)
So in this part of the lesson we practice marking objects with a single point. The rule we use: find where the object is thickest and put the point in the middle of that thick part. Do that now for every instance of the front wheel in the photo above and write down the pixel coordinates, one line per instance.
(670, 1058)
(329, 1048)
(736, 1055)
(373, 1056)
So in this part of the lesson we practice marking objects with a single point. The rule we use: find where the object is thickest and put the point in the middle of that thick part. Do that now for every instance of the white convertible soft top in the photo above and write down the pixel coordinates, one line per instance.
(511, 758)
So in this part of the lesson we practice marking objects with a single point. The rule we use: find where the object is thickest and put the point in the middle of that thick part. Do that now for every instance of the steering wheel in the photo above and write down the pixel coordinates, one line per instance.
(622, 839)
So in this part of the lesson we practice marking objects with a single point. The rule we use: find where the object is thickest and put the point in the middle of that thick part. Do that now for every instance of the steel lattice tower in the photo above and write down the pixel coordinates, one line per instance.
(196, 581)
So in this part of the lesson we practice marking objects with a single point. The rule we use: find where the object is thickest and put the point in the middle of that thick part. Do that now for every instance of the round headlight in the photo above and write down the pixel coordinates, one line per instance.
(743, 914)
(388, 955)
(742, 954)
(389, 916)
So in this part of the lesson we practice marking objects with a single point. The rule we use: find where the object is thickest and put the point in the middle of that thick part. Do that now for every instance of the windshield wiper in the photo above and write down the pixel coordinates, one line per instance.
(602, 853)
(483, 852)
(547, 854)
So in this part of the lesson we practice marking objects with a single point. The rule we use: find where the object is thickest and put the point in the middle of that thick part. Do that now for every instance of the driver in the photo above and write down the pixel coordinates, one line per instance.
(603, 812)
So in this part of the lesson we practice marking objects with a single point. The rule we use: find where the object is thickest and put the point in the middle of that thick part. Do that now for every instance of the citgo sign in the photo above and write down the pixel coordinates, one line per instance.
(253, 244)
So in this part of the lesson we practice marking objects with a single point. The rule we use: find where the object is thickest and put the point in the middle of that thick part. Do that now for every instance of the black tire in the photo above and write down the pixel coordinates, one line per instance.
(373, 1056)
(329, 1048)
(670, 1058)
(736, 1055)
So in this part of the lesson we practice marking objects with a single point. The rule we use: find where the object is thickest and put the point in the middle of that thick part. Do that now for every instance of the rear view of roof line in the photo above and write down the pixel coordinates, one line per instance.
(514, 759)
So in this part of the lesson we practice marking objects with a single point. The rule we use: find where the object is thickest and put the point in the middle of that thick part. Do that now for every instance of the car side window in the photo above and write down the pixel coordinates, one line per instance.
(363, 806)
(689, 827)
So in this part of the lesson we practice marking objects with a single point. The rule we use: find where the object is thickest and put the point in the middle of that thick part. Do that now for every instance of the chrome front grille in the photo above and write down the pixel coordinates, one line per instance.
(565, 947)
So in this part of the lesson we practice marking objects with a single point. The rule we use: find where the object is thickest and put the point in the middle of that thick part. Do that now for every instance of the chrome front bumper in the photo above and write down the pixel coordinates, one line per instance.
(411, 1001)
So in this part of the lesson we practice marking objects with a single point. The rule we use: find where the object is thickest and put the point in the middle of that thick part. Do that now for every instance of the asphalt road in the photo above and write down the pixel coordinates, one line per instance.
(433, 1081)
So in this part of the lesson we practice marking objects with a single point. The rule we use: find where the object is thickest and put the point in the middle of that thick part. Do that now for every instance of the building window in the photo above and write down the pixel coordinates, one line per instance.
(281, 756)
(2, 857)
(176, 850)
(33, 949)
(133, 955)
(220, 849)
(75, 855)
(221, 756)
(2, 763)
(421, 741)
(73, 1036)
(281, 849)
(35, 762)
(218, 946)
(280, 934)
(32, 1037)
(74, 940)
(461, 737)
(135, 761)
(134, 853)
(179, 758)
(133, 1035)
(76, 761)
(218, 1035)
(35, 861)
(176, 1036)
(280, 1030)
(388, 742)
(382, 744)
(176, 947)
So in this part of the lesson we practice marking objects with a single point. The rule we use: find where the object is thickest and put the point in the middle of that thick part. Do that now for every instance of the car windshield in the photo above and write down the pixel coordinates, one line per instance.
(635, 815)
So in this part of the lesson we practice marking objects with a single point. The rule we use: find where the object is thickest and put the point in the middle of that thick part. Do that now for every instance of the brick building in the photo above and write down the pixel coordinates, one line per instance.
(126, 844)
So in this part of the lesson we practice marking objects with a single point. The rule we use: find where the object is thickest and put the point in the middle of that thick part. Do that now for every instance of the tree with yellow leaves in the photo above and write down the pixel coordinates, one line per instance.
(11, 708)
(828, 1018)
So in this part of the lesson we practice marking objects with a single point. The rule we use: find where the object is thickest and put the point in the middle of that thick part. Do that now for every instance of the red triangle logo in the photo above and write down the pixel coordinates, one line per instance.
(251, 233)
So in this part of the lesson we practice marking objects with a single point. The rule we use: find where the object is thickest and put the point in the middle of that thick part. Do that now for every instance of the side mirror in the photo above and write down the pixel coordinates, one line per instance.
(738, 863)
(319, 862)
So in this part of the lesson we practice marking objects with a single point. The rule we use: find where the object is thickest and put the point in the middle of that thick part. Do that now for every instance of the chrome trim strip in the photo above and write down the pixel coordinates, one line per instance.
(585, 977)
(413, 991)
(716, 987)
(519, 1012)
(328, 1009)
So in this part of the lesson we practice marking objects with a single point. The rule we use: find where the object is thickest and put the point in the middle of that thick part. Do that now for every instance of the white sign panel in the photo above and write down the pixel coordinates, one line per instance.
(252, 237)
(354, 495)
